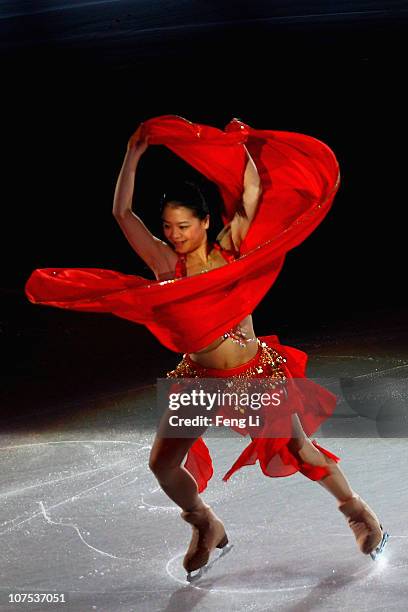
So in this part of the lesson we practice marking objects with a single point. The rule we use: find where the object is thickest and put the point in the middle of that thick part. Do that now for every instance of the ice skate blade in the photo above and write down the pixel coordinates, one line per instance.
(374, 554)
(196, 574)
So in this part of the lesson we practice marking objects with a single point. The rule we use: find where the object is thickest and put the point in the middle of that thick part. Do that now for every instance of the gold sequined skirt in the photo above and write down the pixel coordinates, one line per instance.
(267, 364)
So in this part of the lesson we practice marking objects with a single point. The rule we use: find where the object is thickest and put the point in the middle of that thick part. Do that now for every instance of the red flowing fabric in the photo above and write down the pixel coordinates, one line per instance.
(299, 176)
(274, 456)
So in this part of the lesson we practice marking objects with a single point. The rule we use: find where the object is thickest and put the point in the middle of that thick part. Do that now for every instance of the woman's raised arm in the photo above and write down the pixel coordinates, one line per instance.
(122, 202)
(252, 191)
(154, 252)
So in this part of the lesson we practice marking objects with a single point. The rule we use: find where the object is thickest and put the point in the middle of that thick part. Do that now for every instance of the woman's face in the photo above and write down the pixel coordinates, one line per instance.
(183, 229)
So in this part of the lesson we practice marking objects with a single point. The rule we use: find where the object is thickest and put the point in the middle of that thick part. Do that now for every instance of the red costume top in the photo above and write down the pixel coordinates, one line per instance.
(299, 176)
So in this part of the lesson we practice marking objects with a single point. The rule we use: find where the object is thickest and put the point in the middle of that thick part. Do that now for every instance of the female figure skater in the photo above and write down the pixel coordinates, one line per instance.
(237, 352)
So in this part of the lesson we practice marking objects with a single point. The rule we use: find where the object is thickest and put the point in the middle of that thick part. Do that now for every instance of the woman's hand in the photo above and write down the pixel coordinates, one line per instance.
(122, 202)
(138, 142)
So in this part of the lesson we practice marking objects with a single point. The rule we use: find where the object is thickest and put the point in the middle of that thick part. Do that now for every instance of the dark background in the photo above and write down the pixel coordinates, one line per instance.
(77, 80)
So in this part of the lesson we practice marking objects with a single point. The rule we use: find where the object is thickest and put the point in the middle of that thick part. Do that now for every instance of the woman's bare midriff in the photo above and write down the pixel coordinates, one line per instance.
(223, 354)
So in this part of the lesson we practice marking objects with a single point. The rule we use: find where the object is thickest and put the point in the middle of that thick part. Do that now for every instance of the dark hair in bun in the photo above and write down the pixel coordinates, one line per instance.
(189, 195)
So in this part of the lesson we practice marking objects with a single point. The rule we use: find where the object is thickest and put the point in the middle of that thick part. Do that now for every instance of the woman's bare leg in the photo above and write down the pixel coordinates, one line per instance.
(208, 531)
(165, 461)
(336, 482)
(361, 519)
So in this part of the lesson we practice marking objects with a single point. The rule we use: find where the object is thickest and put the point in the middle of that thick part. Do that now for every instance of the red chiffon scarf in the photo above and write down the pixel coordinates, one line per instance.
(299, 176)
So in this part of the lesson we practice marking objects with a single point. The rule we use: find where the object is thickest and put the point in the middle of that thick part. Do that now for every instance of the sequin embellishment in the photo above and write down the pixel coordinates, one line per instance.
(268, 366)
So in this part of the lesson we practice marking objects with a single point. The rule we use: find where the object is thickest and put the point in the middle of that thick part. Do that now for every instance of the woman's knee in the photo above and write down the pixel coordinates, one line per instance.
(307, 452)
(155, 462)
(159, 464)
(302, 447)
(166, 455)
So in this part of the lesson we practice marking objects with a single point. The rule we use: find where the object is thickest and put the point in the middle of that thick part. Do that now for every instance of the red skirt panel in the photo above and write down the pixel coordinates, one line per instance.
(311, 402)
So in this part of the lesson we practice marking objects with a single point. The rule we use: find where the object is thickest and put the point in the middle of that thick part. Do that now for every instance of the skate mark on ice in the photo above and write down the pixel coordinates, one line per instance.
(48, 482)
(75, 527)
(201, 572)
(193, 577)
(64, 501)
(153, 506)
(51, 442)
(68, 499)
(76, 495)
(378, 372)
(368, 570)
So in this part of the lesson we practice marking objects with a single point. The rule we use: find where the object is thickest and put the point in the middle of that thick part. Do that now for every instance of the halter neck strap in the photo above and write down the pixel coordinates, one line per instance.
(181, 266)
(228, 255)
